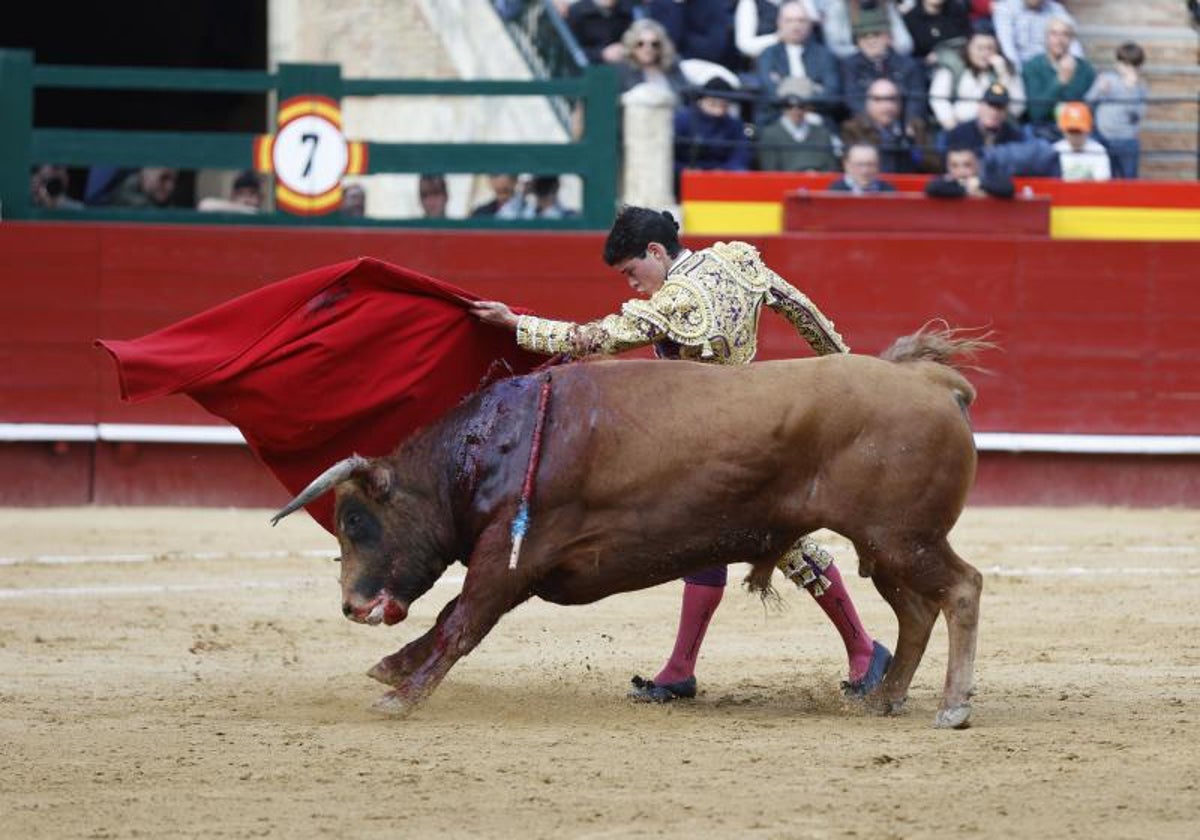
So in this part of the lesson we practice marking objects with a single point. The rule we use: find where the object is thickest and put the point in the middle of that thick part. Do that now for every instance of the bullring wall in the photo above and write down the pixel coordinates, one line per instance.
(1098, 338)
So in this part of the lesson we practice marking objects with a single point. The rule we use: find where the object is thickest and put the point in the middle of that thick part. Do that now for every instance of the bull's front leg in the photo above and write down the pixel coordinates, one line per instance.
(391, 670)
(489, 591)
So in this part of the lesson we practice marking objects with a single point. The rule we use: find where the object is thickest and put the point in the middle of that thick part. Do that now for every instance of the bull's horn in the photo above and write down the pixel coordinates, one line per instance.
(339, 472)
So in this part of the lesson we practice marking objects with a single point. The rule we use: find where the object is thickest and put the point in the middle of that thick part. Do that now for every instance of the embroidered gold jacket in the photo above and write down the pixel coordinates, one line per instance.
(707, 310)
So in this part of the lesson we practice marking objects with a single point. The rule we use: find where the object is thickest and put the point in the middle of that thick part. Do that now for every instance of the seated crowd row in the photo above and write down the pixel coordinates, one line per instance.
(801, 79)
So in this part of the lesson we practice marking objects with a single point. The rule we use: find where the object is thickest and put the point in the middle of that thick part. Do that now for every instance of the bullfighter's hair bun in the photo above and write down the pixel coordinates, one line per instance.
(667, 215)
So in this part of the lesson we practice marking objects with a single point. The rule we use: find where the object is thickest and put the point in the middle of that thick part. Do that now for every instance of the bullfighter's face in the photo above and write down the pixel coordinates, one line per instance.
(387, 561)
(647, 273)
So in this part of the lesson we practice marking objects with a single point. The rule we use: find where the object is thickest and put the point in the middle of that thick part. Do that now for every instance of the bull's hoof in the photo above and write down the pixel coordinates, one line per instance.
(884, 706)
(385, 674)
(956, 717)
(393, 705)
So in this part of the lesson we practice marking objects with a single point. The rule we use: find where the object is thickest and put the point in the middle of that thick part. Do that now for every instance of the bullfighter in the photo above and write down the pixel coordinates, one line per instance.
(703, 306)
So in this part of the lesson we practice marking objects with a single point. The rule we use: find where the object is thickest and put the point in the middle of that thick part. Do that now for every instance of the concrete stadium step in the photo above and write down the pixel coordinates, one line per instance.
(1143, 13)
(1167, 171)
(1176, 45)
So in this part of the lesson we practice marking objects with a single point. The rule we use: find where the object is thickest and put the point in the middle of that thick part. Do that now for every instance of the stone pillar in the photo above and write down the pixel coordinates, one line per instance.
(648, 132)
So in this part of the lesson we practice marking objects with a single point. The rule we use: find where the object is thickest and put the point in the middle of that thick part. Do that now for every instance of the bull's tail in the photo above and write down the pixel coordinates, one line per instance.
(938, 342)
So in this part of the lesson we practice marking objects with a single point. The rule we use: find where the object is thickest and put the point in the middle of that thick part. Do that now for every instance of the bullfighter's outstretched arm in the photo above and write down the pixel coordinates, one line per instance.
(808, 320)
(628, 329)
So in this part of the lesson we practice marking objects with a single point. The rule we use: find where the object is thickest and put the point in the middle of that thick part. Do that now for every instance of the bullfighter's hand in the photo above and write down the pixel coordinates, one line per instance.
(495, 313)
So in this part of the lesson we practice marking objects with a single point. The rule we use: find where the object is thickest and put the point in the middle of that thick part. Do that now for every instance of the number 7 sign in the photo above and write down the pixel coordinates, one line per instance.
(309, 155)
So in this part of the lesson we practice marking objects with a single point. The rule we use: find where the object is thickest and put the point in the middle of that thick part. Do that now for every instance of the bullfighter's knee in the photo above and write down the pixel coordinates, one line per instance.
(805, 564)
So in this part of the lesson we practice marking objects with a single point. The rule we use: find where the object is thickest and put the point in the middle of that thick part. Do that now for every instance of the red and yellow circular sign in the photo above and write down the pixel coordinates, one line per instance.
(309, 155)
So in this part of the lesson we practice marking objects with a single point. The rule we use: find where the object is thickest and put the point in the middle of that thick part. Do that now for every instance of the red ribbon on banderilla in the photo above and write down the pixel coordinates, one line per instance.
(520, 523)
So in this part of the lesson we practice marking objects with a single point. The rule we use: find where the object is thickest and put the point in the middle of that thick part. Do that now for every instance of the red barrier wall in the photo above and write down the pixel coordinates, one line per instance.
(1097, 337)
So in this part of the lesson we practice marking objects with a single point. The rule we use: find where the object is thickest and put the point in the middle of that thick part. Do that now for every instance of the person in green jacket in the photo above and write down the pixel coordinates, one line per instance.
(1055, 76)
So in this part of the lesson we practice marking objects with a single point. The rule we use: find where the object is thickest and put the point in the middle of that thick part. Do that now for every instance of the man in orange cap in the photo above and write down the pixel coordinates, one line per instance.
(1080, 157)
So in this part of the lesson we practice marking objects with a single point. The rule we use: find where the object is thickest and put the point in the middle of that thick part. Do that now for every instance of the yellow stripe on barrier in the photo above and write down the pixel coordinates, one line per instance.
(764, 218)
(743, 218)
(1143, 223)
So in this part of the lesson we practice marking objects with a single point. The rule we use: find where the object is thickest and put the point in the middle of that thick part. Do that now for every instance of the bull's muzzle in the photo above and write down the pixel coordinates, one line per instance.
(383, 609)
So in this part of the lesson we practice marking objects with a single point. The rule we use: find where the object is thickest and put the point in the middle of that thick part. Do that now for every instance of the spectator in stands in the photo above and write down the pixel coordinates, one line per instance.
(876, 59)
(798, 54)
(799, 140)
(431, 190)
(903, 145)
(354, 201)
(963, 179)
(701, 29)
(936, 27)
(504, 190)
(1021, 28)
(841, 18)
(861, 167)
(956, 90)
(1079, 156)
(1055, 76)
(650, 58)
(706, 136)
(48, 188)
(990, 127)
(540, 201)
(151, 186)
(981, 12)
(598, 26)
(754, 26)
(1119, 97)
(245, 196)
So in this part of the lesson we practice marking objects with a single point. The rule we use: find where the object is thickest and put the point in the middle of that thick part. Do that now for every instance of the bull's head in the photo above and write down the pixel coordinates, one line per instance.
(391, 553)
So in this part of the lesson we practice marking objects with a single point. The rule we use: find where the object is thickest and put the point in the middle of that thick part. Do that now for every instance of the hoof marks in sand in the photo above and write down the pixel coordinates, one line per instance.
(393, 705)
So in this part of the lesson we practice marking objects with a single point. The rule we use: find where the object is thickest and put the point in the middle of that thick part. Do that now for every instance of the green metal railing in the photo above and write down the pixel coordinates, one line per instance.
(546, 44)
(593, 156)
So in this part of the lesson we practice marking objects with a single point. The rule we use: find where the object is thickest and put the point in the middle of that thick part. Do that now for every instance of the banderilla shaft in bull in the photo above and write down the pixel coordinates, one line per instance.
(520, 524)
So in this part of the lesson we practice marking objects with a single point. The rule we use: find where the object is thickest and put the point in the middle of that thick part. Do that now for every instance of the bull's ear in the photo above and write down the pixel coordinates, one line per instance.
(377, 481)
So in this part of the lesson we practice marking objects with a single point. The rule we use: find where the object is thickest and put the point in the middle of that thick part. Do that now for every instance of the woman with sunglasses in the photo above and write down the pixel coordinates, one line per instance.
(651, 58)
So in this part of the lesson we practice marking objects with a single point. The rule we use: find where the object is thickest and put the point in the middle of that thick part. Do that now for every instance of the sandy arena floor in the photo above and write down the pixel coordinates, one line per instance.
(172, 673)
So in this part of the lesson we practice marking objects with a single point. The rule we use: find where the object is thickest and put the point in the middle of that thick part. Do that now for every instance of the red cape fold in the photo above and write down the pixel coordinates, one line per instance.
(348, 358)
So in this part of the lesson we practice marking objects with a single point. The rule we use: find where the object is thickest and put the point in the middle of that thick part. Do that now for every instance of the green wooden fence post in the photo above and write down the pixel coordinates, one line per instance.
(316, 80)
(600, 138)
(16, 132)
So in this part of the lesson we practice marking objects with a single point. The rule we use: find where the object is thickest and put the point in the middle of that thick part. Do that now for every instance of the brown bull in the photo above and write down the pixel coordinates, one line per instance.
(641, 481)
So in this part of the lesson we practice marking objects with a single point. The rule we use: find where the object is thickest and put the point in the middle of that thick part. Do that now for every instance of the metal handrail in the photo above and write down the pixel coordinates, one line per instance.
(548, 48)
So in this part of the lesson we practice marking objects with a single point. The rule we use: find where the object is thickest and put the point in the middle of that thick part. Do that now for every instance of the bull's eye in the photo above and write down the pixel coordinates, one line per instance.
(358, 525)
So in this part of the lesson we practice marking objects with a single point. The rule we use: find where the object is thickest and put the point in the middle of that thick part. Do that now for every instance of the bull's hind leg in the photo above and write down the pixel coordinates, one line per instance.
(915, 615)
(919, 585)
(960, 604)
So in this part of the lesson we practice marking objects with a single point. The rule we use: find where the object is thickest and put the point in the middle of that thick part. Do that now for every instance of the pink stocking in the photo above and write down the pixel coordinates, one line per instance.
(699, 604)
(836, 603)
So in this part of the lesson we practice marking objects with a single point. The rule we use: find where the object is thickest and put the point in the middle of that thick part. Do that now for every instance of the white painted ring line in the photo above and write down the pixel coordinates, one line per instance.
(228, 435)
(52, 592)
(322, 553)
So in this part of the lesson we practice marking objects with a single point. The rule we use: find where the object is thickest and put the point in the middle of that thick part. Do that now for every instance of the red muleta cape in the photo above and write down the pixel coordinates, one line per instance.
(348, 358)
